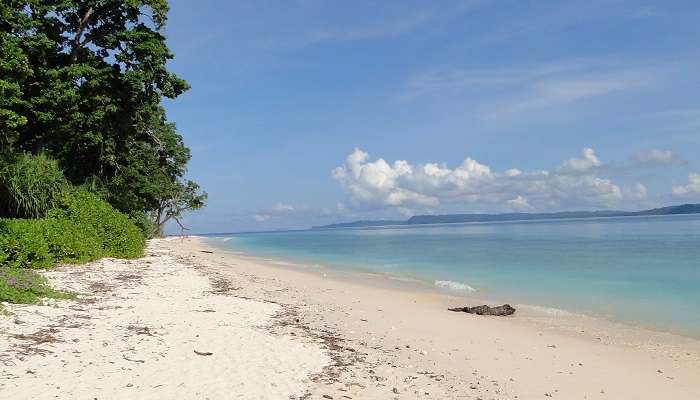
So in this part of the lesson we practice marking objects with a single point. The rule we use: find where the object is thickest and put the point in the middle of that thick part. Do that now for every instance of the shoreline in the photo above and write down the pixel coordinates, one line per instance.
(143, 329)
(538, 313)
(625, 360)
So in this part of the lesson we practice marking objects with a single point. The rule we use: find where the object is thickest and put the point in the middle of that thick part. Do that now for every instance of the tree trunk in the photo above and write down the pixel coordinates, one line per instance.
(77, 46)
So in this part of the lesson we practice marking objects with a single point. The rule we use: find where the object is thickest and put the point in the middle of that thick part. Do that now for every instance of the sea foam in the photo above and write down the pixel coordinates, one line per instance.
(456, 286)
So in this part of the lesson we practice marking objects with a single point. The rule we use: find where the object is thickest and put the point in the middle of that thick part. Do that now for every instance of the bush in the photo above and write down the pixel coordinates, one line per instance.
(75, 227)
(119, 236)
(29, 185)
(69, 242)
(82, 227)
(23, 244)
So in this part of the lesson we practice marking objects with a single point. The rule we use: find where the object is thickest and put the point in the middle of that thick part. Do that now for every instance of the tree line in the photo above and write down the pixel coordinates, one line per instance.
(82, 82)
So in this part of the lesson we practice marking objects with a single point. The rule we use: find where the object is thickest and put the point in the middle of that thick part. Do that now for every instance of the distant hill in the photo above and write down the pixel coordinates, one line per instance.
(462, 218)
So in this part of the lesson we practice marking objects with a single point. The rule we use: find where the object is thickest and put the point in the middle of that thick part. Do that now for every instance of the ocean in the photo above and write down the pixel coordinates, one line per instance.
(643, 271)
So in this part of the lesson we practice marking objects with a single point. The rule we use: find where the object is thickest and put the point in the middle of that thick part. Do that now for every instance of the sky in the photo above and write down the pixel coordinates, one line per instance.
(308, 112)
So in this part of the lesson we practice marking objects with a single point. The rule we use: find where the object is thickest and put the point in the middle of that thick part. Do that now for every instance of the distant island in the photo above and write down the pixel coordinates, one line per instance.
(465, 218)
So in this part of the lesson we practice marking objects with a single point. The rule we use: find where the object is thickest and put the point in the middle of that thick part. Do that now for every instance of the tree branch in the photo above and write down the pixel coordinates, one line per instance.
(77, 45)
(172, 214)
(182, 227)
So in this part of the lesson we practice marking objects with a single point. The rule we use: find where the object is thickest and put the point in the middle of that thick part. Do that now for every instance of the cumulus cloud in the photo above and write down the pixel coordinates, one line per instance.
(637, 192)
(379, 184)
(688, 190)
(656, 157)
(587, 162)
(519, 204)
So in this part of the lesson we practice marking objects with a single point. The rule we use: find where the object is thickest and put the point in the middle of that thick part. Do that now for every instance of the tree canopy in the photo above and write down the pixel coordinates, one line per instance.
(82, 81)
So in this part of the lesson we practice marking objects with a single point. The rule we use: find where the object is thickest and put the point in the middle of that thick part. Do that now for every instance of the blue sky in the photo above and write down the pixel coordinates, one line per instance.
(308, 112)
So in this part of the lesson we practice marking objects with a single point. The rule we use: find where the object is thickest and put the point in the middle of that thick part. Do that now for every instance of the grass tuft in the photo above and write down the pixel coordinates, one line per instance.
(26, 286)
(28, 186)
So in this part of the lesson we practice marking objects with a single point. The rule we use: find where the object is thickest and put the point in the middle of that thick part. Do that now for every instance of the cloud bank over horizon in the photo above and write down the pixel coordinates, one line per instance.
(688, 191)
(576, 182)
(376, 187)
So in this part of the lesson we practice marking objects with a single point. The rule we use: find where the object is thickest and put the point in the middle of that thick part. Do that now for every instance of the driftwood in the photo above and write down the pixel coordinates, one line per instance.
(500, 311)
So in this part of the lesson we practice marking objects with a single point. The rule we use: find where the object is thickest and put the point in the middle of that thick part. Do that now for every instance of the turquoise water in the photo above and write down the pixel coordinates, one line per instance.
(639, 270)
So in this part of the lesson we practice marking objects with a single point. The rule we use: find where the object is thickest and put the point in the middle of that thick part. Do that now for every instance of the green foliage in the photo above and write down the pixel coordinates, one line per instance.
(183, 196)
(83, 81)
(81, 228)
(69, 241)
(145, 223)
(14, 69)
(25, 286)
(23, 244)
(119, 236)
(29, 185)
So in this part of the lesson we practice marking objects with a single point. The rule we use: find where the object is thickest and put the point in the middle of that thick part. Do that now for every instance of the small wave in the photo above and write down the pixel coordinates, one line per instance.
(456, 286)
(404, 279)
(222, 238)
(226, 239)
(283, 263)
(547, 311)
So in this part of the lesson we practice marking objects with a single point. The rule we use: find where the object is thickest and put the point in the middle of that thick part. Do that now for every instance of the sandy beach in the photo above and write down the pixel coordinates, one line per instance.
(192, 321)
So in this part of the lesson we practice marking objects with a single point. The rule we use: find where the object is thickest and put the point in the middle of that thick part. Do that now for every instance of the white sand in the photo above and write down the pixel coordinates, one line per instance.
(406, 345)
(327, 335)
(137, 339)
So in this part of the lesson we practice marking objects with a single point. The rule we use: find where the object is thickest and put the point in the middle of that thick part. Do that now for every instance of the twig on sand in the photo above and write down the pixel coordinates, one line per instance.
(129, 359)
(203, 353)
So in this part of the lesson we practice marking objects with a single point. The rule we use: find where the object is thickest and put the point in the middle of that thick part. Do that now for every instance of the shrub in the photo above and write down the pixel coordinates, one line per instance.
(82, 227)
(29, 185)
(119, 236)
(69, 242)
(23, 244)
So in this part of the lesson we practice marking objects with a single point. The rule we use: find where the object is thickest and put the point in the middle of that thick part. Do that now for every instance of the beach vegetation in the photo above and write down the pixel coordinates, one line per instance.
(26, 286)
(29, 185)
(80, 228)
(90, 166)
(82, 82)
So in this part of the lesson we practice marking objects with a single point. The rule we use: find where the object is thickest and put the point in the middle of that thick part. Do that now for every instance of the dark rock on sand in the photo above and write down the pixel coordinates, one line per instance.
(500, 311)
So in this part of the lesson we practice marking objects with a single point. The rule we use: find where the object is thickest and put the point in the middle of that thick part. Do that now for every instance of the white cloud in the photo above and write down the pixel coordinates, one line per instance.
(379, 184)
(261, 217)
(689, 190)
(280, 207)
(587, 162)
(655, 157)
(519, 204)
(637, 192)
